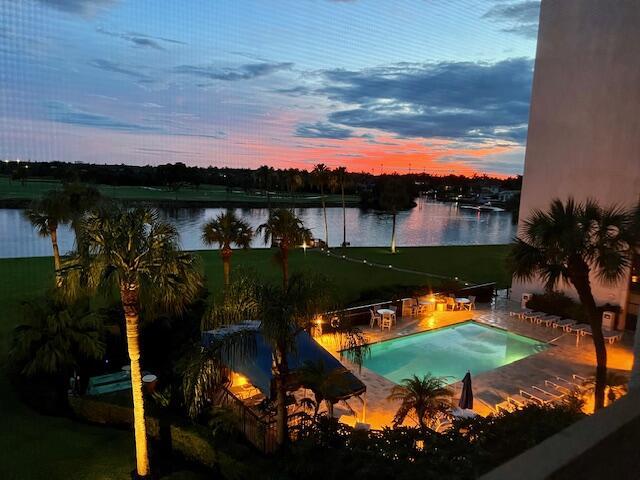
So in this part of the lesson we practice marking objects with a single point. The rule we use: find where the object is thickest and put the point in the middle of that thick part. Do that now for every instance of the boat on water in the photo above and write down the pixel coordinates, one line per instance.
(486, 207)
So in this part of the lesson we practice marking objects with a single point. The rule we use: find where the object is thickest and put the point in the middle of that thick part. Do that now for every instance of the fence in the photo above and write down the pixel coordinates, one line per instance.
(261, 432)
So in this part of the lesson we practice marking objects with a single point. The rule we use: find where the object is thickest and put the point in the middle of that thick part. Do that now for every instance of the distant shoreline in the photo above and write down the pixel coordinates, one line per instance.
(20, 203)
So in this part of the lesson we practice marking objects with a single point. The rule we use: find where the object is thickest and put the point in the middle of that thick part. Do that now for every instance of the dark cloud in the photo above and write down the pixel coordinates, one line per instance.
(243, 72)
(64, 113)
(520, 18)
(79, 7)
(322, 130)
(109, 66)
(141, 39)
(456, 100)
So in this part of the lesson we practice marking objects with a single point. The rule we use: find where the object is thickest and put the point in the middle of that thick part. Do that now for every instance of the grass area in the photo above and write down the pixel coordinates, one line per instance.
(35, 446)
(41, 447)
(34, 188)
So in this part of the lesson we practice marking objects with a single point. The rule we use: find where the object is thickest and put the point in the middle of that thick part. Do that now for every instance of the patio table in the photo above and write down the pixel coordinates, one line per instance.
(462, 301)
(387, 313)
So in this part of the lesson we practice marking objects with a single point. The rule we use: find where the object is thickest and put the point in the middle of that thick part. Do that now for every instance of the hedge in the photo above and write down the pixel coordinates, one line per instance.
(189, 440)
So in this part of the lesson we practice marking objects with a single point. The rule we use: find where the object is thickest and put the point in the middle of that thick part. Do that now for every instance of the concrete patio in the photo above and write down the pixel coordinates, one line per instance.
(564, 358)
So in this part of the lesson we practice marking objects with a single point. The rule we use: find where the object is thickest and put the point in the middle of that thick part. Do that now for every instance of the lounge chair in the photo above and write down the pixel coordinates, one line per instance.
(559, 388)
(546, 319)
(610, 336)
(576, 328)
(532, 316)
(569, 383)
(518, 401)
(565, 322)
(555, 396)
(519, 313)
(537, 398)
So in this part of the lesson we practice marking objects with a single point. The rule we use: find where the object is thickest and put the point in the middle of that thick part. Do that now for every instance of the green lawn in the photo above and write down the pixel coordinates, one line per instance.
(35, 446)
(34, 188)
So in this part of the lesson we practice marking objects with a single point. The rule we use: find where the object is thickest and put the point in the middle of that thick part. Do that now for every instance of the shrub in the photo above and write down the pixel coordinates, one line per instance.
(557, 303)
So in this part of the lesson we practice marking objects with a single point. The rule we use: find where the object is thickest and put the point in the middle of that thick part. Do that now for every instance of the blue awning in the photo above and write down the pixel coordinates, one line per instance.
(257, 366)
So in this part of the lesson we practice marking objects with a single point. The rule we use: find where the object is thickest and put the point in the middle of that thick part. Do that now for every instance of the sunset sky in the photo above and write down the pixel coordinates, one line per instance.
(422, 85)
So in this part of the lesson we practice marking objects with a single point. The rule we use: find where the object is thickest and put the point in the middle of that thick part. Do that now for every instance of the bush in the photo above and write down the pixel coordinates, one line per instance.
(557, 303)
(468, 450)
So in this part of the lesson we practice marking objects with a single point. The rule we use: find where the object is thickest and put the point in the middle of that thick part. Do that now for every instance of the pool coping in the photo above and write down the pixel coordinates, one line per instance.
(452, 325)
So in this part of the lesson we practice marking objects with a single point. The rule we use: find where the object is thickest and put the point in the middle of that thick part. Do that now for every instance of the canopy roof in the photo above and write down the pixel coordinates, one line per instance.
(257, 365)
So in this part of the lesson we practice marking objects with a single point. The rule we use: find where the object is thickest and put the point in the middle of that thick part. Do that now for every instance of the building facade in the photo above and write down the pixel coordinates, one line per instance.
(584, 122)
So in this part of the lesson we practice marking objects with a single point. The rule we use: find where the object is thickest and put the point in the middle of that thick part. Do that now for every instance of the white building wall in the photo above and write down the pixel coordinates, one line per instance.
(584, 124)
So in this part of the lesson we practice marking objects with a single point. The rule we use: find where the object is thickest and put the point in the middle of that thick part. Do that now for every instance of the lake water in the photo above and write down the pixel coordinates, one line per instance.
(430, 223)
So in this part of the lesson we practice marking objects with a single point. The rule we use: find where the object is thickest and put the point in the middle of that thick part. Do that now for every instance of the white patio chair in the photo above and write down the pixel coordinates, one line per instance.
(376, 318)
(472, 303)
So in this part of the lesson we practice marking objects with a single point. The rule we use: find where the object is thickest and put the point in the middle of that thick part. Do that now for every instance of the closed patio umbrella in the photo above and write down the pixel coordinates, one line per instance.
(466, 397)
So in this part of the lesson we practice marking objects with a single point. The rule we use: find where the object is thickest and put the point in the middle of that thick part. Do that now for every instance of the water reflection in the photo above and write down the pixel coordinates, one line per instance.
(430, 223)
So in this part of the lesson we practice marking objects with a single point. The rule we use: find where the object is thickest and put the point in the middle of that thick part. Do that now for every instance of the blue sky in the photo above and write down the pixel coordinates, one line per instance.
(428, 85)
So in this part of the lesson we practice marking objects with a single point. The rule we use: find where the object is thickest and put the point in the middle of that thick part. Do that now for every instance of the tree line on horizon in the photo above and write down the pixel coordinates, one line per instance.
(264, 178)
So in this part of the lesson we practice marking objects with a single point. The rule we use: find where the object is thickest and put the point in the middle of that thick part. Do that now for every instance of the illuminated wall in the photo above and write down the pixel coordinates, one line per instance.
(584, 126)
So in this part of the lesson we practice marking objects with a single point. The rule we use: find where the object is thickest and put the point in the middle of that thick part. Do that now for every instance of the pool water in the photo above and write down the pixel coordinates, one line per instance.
(449, 352)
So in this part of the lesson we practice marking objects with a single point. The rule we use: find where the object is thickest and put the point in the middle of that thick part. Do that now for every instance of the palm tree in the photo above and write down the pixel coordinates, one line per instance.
(428, 397)
(287, 230)
(80, 199)
(46, 215)
(226, 230)
(264, 175)
(56, 338)
(284, 312)
(392, 197)
(139, 255)
(341, 177)
(321, 176)
(294, 182)
(570, 242)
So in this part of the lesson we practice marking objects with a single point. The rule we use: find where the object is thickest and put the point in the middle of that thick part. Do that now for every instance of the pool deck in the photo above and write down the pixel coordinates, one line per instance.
(564, 358)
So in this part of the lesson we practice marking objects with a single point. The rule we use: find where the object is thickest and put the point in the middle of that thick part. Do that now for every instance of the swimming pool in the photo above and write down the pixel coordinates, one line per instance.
(449, 352)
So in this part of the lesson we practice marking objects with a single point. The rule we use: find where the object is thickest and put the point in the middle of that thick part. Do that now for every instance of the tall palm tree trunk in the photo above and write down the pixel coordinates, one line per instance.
(393, 234)
(284, 258)
(53, 234)
(344, 218)
(226, 253)
(280, 375)
(580, 280)
(130, 303)
(324, 211)
(634, 380)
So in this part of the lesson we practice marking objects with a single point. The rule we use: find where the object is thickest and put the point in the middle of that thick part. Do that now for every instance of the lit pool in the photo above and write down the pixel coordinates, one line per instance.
(450, 352)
